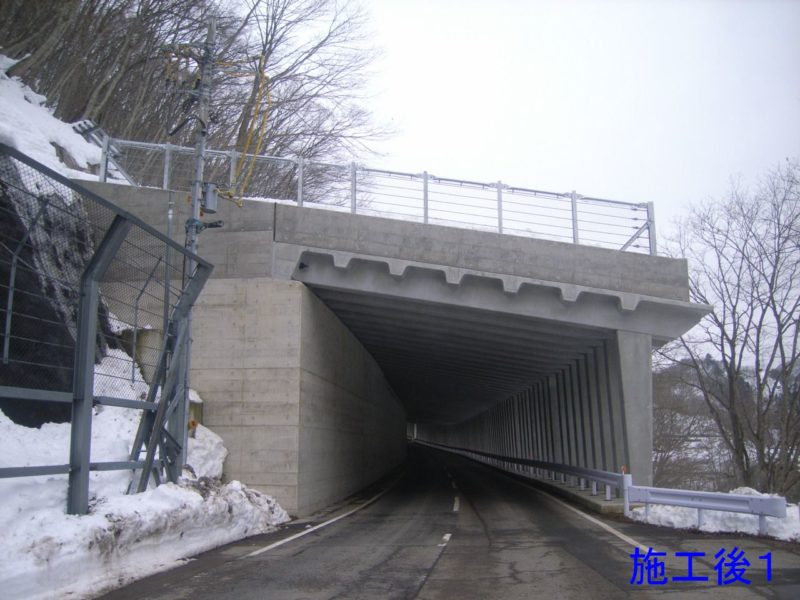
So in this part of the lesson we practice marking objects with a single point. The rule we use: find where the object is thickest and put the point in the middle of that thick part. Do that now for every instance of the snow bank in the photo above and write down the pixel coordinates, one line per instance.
(714, 521)
(29, 126)
(47, 554)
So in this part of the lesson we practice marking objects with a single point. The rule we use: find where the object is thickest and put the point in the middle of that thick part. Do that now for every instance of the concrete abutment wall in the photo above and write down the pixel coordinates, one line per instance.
(304, 410)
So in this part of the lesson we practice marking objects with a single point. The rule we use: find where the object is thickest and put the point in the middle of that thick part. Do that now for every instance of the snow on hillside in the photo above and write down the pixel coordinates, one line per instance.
(45, 553)
(29, 126)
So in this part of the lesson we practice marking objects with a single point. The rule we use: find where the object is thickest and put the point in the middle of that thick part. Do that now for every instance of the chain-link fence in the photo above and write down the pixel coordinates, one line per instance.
(93, 300)
(567, 217)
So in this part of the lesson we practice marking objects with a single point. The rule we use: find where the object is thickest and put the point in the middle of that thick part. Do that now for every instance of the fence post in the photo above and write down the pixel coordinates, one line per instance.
(300, 181)
(574, 199)
(83, 385)
(167, 165)
(233, 154)
(499, 207)
(353, 187)
(104, 159)
(651, 228)
(424, 196)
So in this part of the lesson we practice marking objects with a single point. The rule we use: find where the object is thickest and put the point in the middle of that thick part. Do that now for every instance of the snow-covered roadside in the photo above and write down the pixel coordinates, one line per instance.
(45, 553)
(717, 521)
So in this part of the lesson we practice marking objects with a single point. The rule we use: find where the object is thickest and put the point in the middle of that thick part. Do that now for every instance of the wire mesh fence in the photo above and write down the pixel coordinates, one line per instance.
(92, 298)
(565, 217)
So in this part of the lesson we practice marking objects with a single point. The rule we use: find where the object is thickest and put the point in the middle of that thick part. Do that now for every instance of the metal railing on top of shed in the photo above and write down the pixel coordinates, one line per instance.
(80, 277)
(421, 197)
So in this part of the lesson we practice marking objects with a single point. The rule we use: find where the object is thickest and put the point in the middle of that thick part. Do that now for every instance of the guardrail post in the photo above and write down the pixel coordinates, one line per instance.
(762, 525)
(627, 482)
(167, 165)
(651, 228)
(353, 187)
(499, 207)
(608, 492)
(103, 176)
(425, 197)
(594, 488)
(300, 181)
(700, 518)
(574, 202)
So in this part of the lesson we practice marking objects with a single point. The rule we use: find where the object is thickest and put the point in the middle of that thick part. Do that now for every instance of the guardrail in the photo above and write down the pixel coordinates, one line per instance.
(761, 506)
(421, 197)
(582, 477)
(739, 503)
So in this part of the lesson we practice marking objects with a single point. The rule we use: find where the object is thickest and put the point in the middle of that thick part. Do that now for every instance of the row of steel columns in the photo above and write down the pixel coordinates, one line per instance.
(594, 412)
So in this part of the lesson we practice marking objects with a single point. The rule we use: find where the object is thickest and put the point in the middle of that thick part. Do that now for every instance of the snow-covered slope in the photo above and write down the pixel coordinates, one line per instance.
(29, 126)
(45, 553)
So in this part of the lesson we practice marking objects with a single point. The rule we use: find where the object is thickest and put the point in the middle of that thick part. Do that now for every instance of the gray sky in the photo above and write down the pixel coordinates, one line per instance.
(630, 100)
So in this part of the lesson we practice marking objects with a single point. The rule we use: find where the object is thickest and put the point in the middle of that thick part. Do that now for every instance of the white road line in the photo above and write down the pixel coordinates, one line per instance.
(453, 483)
(321, 525)
(608, 528)
(455, 504)
(445, 538)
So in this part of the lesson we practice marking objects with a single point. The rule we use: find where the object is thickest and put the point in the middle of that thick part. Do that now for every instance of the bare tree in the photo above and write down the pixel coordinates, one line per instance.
(288, 79)
(744, 255)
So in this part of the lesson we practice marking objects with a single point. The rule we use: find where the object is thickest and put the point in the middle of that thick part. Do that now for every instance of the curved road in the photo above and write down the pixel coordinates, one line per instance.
(454, 529)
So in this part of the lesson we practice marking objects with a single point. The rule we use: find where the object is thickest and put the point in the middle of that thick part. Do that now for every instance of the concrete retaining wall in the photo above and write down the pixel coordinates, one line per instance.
(304, 410)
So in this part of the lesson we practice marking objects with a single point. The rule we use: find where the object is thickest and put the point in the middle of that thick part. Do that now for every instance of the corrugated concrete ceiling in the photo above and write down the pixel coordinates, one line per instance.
(449, 362)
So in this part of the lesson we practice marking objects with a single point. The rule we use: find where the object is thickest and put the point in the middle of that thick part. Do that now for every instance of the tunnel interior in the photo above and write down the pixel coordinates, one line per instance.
(521, 368)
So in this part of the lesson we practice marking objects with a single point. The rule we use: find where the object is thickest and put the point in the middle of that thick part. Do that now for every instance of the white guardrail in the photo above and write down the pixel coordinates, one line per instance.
(761, 506)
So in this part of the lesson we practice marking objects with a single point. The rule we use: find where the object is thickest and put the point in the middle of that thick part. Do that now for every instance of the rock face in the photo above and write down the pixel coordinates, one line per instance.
(46, 245)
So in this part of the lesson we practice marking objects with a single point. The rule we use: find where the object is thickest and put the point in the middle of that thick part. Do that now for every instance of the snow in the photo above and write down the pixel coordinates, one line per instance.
(48, 554)
(719, 521)
(29, 126)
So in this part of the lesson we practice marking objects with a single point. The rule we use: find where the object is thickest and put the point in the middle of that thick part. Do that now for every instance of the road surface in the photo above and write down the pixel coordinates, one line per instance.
(450, 528)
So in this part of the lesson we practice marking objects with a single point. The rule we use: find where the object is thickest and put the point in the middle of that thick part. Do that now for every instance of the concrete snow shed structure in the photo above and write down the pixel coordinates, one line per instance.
(321, 333)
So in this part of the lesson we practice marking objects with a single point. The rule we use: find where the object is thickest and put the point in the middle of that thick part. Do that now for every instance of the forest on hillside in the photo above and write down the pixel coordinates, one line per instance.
(288, 75)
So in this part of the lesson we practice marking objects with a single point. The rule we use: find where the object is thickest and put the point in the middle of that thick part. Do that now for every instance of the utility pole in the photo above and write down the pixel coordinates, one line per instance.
(180, 419)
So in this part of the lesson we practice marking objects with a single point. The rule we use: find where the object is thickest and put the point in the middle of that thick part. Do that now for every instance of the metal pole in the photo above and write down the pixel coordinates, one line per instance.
(85, 350)
(574, 199)
(104, 160)
(167, 165)
(232, 172)
(353, 187)
(499, 207)
(179, 421)
(651, 228)
(300, 181)
(425, 197)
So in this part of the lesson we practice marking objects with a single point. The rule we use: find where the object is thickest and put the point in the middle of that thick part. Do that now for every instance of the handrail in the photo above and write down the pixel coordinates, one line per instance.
(560, 216)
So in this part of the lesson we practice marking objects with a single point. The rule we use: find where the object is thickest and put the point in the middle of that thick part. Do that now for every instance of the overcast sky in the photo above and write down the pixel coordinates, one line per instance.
(657, 101)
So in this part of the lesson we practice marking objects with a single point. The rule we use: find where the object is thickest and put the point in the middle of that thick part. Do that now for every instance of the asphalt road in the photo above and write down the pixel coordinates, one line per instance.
(453, 529)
